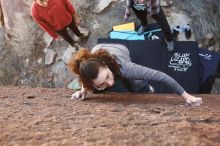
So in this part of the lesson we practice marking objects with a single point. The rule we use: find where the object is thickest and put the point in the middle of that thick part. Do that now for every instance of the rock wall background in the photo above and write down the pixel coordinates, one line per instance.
(30, 57)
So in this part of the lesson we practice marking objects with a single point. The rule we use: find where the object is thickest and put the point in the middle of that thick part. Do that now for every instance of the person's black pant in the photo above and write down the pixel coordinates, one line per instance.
(66, 35)
(160, 18)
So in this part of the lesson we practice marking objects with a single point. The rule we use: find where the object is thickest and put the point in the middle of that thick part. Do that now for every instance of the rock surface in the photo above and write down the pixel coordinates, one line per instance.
(102, 4)
(39, 116)
(68, 53)
(50, 56)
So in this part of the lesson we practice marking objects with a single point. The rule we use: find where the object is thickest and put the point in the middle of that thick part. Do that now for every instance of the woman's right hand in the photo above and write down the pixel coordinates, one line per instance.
(79, 95)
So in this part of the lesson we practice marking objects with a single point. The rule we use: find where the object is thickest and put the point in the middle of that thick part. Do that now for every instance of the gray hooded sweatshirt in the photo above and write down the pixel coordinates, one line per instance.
(138, 75)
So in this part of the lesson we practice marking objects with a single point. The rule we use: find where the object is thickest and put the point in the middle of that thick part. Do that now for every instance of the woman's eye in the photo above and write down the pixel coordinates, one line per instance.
(107, 76)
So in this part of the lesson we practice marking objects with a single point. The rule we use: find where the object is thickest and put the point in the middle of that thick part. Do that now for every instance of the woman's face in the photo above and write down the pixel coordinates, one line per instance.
(104, 79)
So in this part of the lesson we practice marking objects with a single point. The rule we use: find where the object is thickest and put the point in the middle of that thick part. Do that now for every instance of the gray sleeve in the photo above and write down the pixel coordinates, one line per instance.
(137, 72)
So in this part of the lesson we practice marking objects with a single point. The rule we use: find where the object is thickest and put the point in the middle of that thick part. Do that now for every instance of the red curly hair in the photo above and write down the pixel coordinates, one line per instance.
(86, 65)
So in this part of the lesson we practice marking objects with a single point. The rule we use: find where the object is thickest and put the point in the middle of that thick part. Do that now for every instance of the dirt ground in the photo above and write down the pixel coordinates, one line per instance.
(40, 116)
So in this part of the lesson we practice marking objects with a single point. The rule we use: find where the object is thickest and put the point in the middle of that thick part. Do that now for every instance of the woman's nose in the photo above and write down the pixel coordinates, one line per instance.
(110, 82)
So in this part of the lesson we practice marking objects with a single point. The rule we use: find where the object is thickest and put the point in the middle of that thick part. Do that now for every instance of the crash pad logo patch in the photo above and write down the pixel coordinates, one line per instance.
(206, 56)
(180, 62)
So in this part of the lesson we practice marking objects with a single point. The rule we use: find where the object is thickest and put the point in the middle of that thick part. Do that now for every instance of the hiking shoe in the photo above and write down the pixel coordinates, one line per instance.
(74, 43)
(175, 34)
(83, 36)
(141, 30)
(188, 33)
(170, 46)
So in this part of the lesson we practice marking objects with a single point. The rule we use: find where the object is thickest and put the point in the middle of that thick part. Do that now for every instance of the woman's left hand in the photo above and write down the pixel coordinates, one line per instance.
(194, 101)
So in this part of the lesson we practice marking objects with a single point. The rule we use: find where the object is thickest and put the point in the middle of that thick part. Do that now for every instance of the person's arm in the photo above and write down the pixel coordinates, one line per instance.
(127, 10)
(45, 26)
(69, 6)
(73, 12)
(76, 18)
(138, 72)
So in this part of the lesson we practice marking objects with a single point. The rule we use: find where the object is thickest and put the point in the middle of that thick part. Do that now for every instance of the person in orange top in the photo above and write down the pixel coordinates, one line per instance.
(55, 16)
